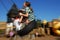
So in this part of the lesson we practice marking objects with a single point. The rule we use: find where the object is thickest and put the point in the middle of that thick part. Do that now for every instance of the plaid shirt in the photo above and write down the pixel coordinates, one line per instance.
(30, 13)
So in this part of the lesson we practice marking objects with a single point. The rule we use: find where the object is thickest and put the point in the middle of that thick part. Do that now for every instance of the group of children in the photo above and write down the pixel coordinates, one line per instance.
(25, 16)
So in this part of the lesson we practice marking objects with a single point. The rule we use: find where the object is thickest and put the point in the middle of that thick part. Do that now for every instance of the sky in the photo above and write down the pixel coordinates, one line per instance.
(43, 9)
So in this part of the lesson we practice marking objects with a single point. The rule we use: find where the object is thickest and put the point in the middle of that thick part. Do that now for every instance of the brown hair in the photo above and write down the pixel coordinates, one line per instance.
(27, 4)
(20, 11)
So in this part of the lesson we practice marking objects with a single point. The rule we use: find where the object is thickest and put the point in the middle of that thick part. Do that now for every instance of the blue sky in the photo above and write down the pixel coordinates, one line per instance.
(43, 9)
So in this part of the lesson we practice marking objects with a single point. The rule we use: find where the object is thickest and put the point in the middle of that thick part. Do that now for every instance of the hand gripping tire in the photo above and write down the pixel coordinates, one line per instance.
(27, 28)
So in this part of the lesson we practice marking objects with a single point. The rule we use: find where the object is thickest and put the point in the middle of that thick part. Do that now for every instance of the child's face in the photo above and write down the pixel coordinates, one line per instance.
(24, 4)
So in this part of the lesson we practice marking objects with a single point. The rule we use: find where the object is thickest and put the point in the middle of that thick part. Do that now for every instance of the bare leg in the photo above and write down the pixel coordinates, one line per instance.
(27, 21)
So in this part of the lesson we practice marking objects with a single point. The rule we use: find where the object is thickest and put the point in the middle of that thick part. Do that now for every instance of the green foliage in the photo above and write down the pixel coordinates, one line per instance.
(13, 11)
(38, 23)
(1, 31)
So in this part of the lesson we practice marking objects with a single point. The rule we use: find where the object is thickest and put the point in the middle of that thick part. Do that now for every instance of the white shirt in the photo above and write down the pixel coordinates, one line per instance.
(17, 24)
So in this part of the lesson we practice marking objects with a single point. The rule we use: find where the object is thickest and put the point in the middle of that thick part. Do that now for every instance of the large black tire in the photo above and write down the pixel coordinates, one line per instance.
(27, 29)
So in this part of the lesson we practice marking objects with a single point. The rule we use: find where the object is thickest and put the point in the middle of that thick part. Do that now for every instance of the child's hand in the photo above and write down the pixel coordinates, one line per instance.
(20, 14)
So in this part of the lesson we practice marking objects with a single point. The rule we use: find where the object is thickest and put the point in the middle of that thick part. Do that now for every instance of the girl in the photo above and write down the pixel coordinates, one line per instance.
(29, 12)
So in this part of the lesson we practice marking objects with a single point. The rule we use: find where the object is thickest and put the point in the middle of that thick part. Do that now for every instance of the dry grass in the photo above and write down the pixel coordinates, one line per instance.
(3, 26)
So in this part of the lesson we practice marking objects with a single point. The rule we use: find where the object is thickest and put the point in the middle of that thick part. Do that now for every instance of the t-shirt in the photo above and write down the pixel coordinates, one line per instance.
(30, 14)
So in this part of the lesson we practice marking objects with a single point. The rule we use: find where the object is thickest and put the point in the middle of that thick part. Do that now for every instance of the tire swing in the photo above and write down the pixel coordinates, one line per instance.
(56, 29)
(28, 28)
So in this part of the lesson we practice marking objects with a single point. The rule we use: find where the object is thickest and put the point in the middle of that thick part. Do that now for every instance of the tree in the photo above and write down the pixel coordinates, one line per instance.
(38, 23)
(13, 12)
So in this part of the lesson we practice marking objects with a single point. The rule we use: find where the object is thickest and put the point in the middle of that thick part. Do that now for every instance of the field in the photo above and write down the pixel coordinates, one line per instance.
(46, 37)
(36, 38)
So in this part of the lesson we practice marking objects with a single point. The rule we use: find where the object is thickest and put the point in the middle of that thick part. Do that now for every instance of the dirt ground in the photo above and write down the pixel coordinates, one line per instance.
(33, 38)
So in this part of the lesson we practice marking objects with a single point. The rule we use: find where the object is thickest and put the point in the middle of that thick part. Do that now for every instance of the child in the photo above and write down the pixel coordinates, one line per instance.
(28, 12)
(9, 27)
(11, 34)
(17, 23)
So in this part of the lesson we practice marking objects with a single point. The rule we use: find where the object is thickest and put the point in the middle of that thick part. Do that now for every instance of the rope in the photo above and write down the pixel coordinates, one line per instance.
(9, 1)
(12, 1)
(3, 5)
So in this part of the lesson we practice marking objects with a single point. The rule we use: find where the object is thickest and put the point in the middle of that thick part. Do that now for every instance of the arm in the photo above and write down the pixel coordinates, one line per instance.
(26, 15)
(21, 18)
(27, 10)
